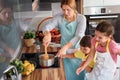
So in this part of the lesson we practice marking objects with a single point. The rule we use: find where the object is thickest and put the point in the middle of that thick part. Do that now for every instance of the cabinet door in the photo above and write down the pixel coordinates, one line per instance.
(111, 2)
(90, 3)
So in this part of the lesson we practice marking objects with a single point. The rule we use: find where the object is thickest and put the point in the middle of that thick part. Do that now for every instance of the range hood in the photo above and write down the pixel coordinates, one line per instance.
(50, 1)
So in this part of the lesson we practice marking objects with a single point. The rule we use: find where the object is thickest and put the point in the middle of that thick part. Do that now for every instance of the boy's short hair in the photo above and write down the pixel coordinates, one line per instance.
(86, 41)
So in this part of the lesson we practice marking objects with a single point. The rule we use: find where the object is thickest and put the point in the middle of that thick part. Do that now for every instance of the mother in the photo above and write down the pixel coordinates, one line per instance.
(72, 26)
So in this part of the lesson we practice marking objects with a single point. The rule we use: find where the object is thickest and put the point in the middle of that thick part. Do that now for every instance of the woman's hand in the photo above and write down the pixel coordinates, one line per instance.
(47, 38)
(35, 5)
(62, 52)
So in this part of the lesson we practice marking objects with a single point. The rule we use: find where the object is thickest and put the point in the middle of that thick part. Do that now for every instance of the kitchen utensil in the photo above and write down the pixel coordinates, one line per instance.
(46, 62)
(46, 54)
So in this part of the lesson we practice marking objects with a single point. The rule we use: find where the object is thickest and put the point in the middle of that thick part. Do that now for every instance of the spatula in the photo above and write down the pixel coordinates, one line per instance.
(46, 54)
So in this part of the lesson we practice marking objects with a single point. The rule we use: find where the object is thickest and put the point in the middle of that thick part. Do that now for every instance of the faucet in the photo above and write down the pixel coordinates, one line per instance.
(10, 67)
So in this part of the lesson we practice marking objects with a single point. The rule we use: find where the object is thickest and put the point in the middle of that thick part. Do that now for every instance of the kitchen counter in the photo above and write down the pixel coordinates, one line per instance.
(46, 73)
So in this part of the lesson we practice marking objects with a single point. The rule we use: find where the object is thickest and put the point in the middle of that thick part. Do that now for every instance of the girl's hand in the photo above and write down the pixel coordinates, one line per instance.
(47, 38)
(80, 69)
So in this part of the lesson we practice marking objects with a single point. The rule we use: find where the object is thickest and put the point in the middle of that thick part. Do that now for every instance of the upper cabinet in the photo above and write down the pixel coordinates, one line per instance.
(111, 2)
(90, 3)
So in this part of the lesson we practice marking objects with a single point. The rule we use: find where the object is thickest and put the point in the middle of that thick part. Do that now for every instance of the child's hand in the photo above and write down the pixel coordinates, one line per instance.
(79, 70)
(82, 63)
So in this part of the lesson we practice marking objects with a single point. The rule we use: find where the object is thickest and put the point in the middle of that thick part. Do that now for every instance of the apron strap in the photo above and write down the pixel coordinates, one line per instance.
(96, 44)
(107, 46)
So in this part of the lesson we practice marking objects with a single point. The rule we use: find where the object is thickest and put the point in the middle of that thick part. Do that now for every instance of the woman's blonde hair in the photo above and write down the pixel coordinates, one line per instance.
(70, 3)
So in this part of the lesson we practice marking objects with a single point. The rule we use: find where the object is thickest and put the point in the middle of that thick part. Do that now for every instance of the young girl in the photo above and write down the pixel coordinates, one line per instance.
(106, 50)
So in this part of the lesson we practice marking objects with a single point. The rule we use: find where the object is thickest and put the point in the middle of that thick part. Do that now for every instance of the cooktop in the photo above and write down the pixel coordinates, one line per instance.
(34, 57)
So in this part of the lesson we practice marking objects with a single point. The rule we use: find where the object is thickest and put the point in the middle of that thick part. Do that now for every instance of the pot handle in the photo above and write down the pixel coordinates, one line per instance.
(55, 56)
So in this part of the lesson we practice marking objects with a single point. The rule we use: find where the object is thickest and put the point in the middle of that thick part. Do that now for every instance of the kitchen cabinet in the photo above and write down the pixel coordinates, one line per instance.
(24, 1)
(95, 3)
(111, 2)
(90, 3)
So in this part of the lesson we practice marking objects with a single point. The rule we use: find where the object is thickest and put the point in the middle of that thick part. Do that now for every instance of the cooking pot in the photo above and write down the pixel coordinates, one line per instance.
(46, 62)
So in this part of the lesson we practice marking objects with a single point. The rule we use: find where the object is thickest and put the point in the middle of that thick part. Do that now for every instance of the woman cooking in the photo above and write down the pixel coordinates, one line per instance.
(72, 26)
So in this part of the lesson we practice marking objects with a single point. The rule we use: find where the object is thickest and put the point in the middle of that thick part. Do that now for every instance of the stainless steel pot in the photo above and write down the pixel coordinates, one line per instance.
(46, 62)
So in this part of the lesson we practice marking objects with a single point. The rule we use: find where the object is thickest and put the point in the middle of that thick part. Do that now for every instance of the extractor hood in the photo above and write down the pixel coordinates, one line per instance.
(51, 0)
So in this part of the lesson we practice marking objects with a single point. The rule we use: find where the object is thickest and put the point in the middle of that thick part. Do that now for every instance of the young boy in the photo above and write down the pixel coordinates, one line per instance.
(85, 45)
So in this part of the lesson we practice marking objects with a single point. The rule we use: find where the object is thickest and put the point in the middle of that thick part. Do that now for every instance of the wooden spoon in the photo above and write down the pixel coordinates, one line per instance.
(46, 54)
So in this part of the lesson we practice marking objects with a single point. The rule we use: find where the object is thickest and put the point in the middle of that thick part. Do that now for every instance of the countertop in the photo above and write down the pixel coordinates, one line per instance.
(47, 73)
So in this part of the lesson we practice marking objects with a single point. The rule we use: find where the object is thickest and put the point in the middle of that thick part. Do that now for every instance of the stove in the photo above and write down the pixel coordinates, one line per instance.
(34, 58)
